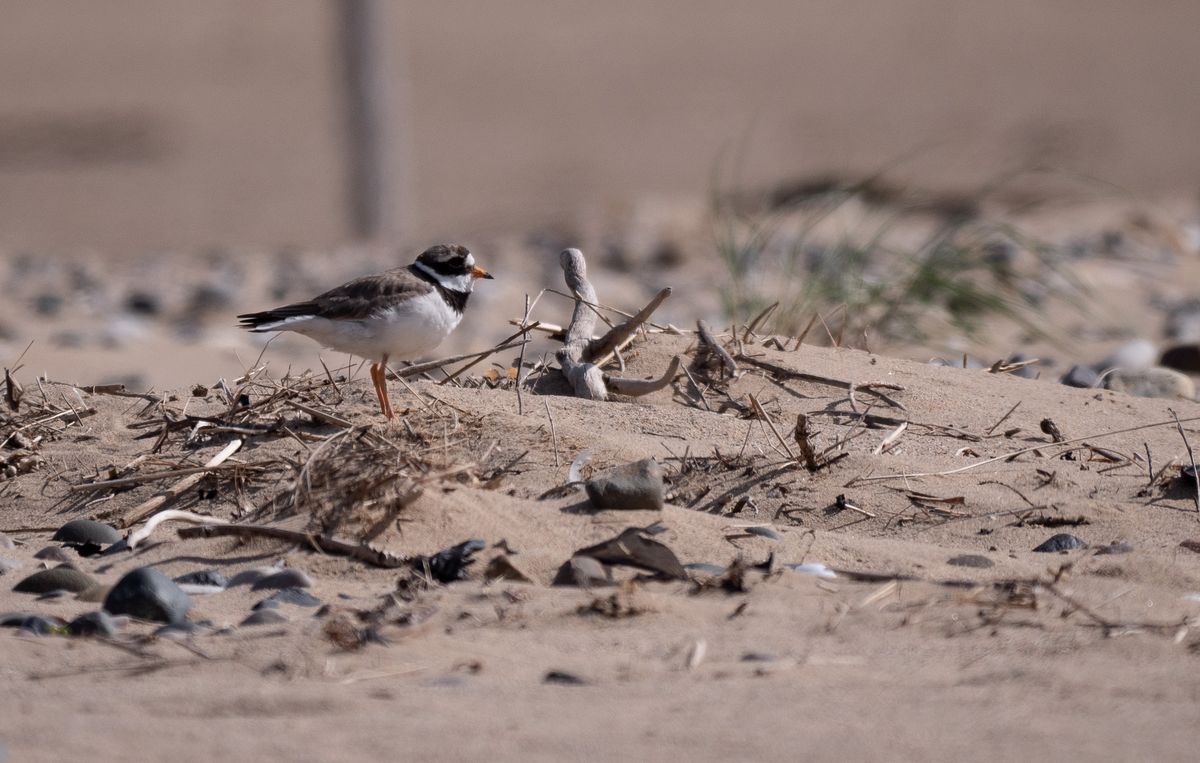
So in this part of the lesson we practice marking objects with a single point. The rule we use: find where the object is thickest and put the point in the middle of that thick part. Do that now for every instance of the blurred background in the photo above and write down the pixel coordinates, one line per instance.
(166, 164)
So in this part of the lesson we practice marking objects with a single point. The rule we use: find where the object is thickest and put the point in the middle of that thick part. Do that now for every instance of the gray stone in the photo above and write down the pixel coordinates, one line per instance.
(1081, 376)
(35, 624)
(98, 623)
(632, 486)
(61, 578)
(296, 596)
(202, 582)
(285, 578)
(583, 571)
(81, 532)
(53, 554)
(1131, 356)
(265, 617)
(1151, 382)
(971, 560)
(1060, 542)
(147, 594)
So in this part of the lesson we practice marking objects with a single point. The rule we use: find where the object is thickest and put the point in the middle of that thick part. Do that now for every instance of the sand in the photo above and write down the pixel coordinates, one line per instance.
(1040, 655)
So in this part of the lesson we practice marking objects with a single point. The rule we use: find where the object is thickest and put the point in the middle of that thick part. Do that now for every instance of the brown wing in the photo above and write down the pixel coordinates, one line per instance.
(351, 301)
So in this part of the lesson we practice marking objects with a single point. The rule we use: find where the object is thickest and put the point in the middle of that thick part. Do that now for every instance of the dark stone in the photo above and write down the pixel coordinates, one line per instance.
(143, 303)
(584, 572)
(1184, 357)
(633, 486)
(1060, 542)
(265, 617)
(147, 594)
(296, 596)
(202, 581)
(35, 624)
(79, 532)
(633, 548)
(1080, 376)
(289, 577)
(48, 304)
(270, 602)
(61, 578)
(971, 560)
(563, 678)
(98, 623)
(450, 564)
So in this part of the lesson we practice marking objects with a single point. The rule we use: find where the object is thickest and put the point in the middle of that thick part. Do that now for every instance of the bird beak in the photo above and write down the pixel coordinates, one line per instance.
(480, 273)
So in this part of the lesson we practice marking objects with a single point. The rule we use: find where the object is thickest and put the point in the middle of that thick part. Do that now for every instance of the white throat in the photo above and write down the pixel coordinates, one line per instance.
(462, 283)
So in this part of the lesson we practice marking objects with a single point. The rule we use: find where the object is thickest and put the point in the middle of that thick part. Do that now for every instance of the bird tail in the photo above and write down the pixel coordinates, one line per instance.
(277, 319)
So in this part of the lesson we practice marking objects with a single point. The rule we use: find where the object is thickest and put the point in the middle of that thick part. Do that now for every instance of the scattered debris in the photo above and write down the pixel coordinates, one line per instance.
(449, 565)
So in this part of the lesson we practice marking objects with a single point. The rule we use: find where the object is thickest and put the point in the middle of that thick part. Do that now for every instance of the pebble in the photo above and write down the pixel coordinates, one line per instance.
(147, 594)
(582, 571)
(504, 568)
(817, 569)
(265, 617)
(83, 532)
(61, 578)
(1080, 376)
(53, 554)
(1131, 356)
(705, 567)
(1183, 357)
(35, 624)
(563, 678)
(1060, 542)
(202, 582)
(98, 623)
(48, 304)
(297, 596)
(285, 578)
(971, 560)
(269, 603)
(763, 532)
(1151, 382)
(142, 303)
(252, 576)
(632, 486)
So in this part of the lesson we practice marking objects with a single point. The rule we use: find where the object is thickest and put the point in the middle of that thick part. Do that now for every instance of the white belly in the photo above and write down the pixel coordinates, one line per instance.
(410, 330)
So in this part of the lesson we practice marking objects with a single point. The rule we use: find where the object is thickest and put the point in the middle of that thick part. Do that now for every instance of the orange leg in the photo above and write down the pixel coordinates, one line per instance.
(383, 393)
(376, 379)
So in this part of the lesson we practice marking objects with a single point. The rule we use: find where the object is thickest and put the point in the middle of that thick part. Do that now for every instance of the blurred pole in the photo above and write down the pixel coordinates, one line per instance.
(373, 208)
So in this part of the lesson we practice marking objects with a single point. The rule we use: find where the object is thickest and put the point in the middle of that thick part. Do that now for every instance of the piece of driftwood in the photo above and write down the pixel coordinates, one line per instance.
(706, 336)
(579, 353)
(146, 508)
(325, 544)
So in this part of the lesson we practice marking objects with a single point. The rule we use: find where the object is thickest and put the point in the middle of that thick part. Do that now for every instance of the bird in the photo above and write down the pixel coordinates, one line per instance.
(402, 313)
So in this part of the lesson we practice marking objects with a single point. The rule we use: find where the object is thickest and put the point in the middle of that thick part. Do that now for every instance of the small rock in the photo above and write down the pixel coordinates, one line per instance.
(971, 560)
(563, 678)
(98, 623)
(1183, 357)
(813, 568)
(705, 568)
(1080, 376)
(268, 603)
(583, 571)
(1060, 542)
(297, 596)
(633, 486)
(252, 576)
(35, 624)
(48, 304)
(757, 657)
(147, 594)
(1191, 545)
(289, 577)
(1131, 356)
(80, 532)
(202, 582)
(265, 617)
(95, 594)
(1116, 547)
(143, 303)
(763, 532)
(61, 578)
(503, 568)
(52, 554)
(1151, 382)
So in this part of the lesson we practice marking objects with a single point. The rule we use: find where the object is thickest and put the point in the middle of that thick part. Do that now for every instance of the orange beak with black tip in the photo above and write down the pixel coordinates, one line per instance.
(480, 273)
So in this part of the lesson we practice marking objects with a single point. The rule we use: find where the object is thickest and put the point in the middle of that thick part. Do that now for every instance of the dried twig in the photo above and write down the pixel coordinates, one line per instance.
(1191, 458)
(328, 545)
(146, 508)
(706, 336)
